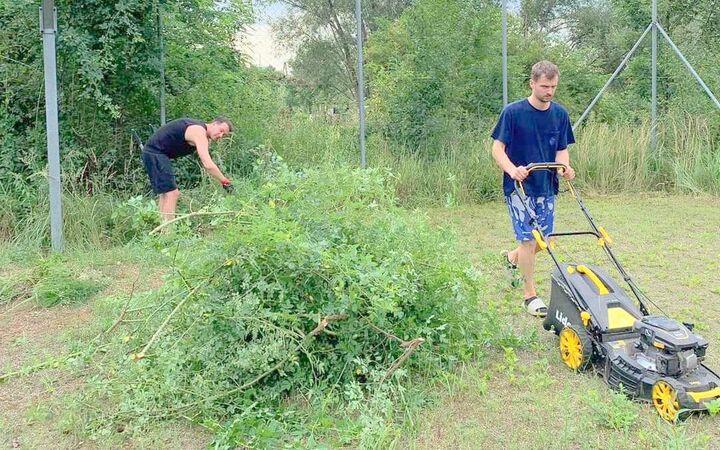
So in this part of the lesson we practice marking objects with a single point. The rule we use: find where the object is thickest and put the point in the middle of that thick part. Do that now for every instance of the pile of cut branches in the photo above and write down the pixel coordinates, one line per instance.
(319, 281)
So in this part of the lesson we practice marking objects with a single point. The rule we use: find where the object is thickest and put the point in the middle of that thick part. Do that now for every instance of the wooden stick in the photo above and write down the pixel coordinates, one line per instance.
(141, 355)
(125, 308)
(198, 213)
(383, 332)
(143, 352)
(410, 347)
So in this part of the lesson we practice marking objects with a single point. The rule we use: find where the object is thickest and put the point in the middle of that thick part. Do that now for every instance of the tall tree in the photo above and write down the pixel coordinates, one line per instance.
(322, 34)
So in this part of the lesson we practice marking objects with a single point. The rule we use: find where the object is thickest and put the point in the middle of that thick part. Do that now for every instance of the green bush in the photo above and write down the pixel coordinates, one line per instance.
(134, 218)
(318, 284)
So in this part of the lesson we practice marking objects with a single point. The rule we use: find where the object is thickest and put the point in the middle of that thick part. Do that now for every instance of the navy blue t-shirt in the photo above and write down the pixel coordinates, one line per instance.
(533, 136)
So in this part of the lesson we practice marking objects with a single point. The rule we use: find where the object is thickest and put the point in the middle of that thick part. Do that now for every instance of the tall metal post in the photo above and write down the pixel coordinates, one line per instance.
(162, 64)
(48, 27)
(653, 95)
(504, 53)
(361, 82)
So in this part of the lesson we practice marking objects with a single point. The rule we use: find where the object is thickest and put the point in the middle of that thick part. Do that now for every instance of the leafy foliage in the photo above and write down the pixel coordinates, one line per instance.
(323, 35)
(436, 70)
(108, 82)
(319, 284)
(134, 217)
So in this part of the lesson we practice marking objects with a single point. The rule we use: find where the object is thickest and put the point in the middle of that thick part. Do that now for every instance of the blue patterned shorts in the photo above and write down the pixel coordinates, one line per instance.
(544, 208)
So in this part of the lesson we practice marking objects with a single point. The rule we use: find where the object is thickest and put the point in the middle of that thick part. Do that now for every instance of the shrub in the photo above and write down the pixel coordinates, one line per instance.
(317, 284)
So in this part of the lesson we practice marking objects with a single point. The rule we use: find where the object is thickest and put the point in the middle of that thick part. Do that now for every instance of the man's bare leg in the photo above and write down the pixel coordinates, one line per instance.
(167, 202)
(524, 257)
(514, 257)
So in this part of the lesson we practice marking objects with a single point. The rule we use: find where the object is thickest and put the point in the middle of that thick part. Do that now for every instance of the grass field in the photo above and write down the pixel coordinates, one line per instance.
(520, 396)
(527, 398)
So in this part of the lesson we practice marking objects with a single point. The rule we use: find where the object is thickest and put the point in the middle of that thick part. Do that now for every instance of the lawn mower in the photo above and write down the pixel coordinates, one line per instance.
(646, 356)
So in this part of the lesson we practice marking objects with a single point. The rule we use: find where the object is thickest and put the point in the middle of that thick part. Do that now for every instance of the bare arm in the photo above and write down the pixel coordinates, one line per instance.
(196, 135)
(498, 153)
(563, 156)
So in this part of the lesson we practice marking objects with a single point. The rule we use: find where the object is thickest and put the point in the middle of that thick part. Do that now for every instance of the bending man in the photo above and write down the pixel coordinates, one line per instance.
(173, 140)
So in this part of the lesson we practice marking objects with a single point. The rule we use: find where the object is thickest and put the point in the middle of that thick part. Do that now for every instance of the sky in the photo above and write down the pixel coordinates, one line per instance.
(259, 42)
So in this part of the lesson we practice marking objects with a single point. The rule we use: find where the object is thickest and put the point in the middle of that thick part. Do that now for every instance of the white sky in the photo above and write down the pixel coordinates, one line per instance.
(259, 43)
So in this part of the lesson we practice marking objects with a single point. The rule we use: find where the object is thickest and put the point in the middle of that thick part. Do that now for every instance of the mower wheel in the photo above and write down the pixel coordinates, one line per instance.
(664, 398)
(575, 348)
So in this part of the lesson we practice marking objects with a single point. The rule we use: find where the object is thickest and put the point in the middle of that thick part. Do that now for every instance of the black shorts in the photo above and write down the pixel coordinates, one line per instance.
(160, 171)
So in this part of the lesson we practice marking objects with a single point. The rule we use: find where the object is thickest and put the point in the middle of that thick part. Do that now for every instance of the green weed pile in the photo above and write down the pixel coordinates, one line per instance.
(314, 284)
(53, 280)
(59, 284)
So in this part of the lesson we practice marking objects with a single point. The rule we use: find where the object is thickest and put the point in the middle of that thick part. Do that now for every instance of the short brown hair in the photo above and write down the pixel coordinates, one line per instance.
(222, 119)
(546, 68)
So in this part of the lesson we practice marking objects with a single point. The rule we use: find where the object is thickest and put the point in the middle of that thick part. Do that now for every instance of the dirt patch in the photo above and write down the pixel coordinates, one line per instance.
(31, 417)
(29, 330)
(34, 413)
(34, 409)
(129, 278)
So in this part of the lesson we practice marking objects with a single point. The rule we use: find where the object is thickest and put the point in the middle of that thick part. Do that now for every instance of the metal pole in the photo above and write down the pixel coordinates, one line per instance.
(361, 82)
(504, 54)
(689, 66)
(615, 74)
(653, 100)
(162, 64)
(48, 27)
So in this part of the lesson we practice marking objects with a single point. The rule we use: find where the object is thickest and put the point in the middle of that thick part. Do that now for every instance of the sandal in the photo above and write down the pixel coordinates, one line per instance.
(535, 306)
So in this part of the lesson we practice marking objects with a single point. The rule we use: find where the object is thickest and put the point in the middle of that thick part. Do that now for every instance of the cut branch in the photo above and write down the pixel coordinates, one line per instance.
(197, 213)
(410, 347)
(125, 308)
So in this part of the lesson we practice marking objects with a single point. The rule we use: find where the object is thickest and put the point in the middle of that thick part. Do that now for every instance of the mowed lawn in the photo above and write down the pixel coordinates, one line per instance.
(518, 397)
(524, 397)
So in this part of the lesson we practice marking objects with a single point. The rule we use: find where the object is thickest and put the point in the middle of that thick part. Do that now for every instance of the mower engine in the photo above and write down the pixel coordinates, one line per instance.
(668, 347)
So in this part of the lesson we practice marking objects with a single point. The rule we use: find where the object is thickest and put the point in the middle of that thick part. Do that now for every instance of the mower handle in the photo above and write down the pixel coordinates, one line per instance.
(599, 232)
(538, 166)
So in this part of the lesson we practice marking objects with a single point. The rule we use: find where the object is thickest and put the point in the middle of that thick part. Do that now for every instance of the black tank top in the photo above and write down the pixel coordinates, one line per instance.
(169, 139)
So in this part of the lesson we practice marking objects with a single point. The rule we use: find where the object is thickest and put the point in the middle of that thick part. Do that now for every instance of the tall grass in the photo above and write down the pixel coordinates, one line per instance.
(86, 221)
(620, 159)
(608, 159)
(461, 170)
(695, 155)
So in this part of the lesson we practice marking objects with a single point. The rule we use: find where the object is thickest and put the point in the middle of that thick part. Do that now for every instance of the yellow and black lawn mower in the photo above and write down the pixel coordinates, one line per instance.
(649, 357)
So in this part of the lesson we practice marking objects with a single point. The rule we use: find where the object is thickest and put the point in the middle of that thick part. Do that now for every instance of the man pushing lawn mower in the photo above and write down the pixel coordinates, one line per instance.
(532, 130)
(173, 140)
